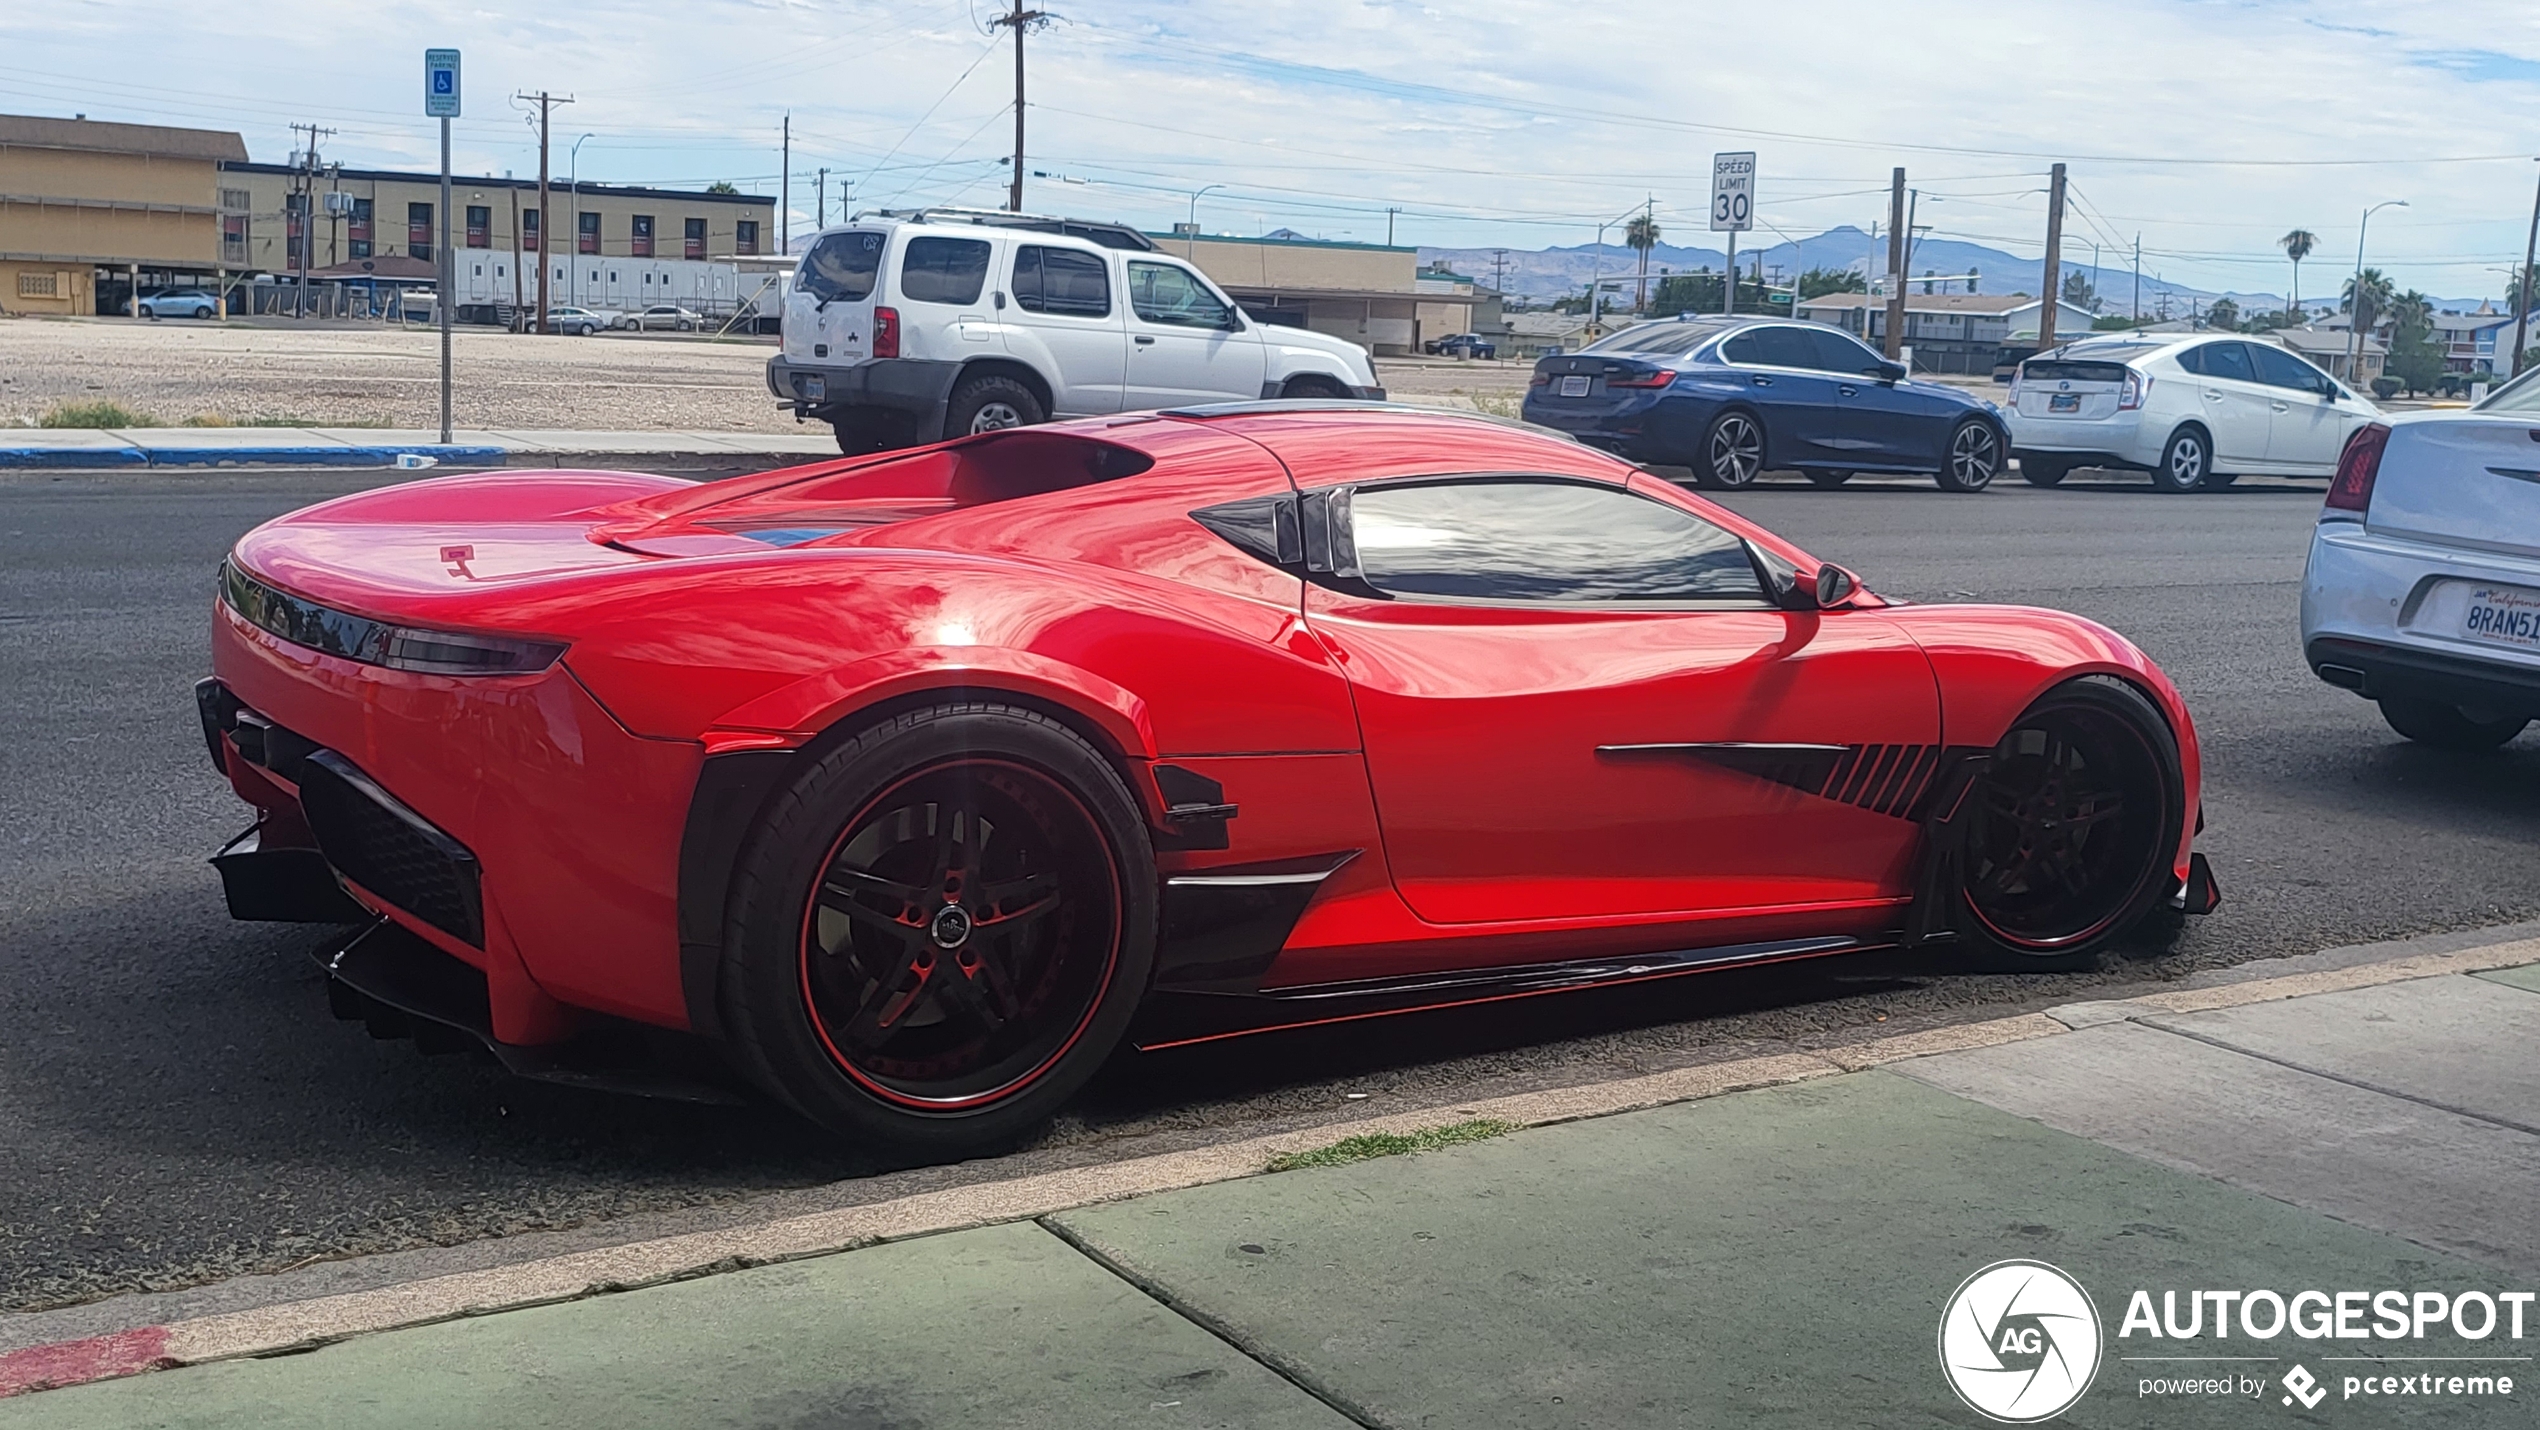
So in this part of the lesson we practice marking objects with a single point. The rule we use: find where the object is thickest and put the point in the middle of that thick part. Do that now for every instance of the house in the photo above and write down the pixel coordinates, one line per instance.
(92, 211)
(2327, 349)
(1369, 293)
(1948, 332)
(1534, 335)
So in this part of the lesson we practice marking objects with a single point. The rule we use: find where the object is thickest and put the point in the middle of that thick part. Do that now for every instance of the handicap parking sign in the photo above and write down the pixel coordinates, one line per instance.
(441, 83)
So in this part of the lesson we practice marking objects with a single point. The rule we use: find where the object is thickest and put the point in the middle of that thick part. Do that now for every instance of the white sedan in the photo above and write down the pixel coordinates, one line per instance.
(2423, 587)
(664, 318)
(2193, 409)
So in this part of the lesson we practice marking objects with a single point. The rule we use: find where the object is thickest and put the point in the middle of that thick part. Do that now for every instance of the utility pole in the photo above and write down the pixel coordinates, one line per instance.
(1018, 20)
(517, 247)
(785, 191)
(1895, 265)
(546, 102)
(1499, 270)
(820, 201)
(1389, 213)
(2138, 279)
(2054, 259)
(305, 185)
(2522, 304)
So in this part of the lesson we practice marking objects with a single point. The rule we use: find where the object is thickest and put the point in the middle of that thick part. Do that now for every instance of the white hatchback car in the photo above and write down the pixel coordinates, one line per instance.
(2195, 410)
(2423, 587)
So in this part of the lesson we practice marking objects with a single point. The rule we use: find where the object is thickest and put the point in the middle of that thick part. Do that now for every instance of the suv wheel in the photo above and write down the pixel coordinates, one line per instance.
(989, 402)
(2184, 462)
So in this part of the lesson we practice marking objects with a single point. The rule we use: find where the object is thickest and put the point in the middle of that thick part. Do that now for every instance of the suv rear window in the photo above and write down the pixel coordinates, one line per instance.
(841, 267)
(1061, 280)
(944, 270)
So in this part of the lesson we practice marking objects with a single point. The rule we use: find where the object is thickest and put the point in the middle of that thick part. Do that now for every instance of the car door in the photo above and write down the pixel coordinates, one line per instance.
(1187, 344)
(1574, 702)
(1879, 423)
(950, 275)
(1776, 364)
(1064, 308)
(2306, 426)
(2233, 404)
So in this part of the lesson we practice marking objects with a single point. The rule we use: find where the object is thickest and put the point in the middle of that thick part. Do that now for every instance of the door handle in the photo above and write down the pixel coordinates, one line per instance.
(1848, 389)
(1146, 342)
(2212, 396)
(1761, 381)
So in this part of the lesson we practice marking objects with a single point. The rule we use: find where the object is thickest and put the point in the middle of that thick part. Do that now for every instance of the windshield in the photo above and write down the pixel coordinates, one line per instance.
(2520, 395)
(1655, 338)
(842, 266)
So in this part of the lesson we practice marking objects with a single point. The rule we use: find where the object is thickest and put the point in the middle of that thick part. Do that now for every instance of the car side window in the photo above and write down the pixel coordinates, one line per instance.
(1541, 540)
(2229, 360)
(2278, 368)
(2192, 359)
(944, 270)
(1771, 347)
(1167, 293)
(1839, 353)
(1062, 281)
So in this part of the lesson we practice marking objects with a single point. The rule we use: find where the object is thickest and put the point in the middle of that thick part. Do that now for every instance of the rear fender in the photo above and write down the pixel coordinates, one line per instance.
(818, 702)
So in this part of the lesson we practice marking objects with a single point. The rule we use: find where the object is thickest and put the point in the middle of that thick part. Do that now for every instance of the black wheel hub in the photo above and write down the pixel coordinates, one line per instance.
(2068, 827)
(963, 931)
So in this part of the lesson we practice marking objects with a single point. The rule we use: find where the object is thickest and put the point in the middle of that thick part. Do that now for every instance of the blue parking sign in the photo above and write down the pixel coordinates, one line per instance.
(441, 83)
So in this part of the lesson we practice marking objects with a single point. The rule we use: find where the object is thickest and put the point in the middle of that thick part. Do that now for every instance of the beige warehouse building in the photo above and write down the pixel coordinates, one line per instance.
(87, 208)
(1372, 294)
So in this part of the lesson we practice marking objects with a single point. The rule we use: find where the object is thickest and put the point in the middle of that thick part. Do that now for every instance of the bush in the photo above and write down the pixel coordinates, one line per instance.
(2385, 388)
(100, 413)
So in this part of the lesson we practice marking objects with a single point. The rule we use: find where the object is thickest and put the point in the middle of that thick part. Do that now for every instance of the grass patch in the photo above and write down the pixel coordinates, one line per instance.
(223, 419)
(1389, 1144)
(94, 414)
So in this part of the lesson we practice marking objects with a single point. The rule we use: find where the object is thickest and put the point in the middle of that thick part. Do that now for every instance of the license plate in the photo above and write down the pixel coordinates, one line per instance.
(813, 386)
(2063, 402)
(1574, 386)
(2507, 615)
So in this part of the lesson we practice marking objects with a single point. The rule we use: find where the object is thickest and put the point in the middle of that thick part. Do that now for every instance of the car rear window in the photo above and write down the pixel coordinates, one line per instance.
(1061, 280)
(944, 270)
(841, 267)
(2066, 370)
(1647, 338)
(2520, 395)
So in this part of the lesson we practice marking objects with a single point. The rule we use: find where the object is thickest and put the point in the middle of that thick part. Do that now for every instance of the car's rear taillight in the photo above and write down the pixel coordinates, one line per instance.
(2357, 468)
(1660, 378)
(2015, 383)
(886, 332)
(2137, 387)
(1541, 379)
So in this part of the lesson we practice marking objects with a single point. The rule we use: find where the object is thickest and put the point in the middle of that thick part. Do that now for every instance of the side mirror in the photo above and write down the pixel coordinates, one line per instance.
(1894, 372)
(1784, 587)
(1834, 584)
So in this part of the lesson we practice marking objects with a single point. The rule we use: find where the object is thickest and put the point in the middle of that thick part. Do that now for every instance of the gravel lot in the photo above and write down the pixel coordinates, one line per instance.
(361, 374)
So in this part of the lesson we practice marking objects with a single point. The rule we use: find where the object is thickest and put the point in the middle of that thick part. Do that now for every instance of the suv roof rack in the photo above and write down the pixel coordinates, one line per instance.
(1109, 235)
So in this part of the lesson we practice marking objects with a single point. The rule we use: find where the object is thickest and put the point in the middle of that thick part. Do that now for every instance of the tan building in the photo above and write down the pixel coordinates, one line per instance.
(1369, 293)
(377, 213)
(88, 208)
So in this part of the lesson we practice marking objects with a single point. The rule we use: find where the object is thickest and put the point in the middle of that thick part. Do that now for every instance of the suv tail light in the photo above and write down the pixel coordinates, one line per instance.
(1660, 378)
(2357, 468)
(886, 332)
(2136, 388)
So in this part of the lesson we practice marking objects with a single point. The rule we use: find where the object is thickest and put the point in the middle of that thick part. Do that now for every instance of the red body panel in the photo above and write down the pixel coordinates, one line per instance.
(1488, 828)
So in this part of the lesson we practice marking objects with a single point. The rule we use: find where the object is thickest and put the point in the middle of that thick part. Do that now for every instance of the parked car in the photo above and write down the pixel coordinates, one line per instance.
(664, 318)
(1463, 345)
(915, 788)
(175, 303)
(2195, 410)
(1733, 398)
(943, 322)
(2422, 592)
(580, 322)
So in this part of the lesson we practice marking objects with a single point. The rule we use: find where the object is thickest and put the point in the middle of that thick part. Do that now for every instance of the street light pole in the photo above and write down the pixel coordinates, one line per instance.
(573, 247)
(2355, 295)
(2522, 303)
(1191, 243)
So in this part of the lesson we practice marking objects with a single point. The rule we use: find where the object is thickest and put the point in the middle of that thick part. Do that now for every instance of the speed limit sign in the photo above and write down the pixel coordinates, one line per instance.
(1733, 192)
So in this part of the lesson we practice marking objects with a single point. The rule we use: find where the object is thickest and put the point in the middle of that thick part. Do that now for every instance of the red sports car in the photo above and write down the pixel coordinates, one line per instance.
(911, 786)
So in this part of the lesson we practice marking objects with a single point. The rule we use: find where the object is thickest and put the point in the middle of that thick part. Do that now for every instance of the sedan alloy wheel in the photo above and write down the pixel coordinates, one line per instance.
(1733, 455)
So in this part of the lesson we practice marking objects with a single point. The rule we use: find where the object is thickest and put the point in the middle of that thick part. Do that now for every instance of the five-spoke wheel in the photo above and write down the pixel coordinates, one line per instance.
(1974, 458)
(1732, 452)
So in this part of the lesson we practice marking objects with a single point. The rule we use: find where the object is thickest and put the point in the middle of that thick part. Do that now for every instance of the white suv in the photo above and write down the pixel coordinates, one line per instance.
(909, 328)
(2194, 410)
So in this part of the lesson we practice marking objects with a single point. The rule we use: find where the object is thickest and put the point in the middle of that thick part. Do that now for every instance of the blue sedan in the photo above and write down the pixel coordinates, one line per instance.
(1734, 397)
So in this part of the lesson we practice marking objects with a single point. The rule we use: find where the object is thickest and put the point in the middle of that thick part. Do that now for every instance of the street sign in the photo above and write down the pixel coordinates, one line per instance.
(441, 84)
(1733, 192)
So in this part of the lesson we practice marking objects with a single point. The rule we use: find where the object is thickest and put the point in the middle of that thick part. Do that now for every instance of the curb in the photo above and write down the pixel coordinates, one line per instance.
(304, 1325)
(38, 458)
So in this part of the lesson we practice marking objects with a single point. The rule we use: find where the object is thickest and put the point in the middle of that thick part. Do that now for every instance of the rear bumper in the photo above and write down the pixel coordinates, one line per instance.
(2377, 671)
(2369, 621)
(917, 387)
(2124, 440)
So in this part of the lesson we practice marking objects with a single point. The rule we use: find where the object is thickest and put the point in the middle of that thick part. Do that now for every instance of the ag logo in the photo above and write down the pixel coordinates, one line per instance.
(2019, 1341)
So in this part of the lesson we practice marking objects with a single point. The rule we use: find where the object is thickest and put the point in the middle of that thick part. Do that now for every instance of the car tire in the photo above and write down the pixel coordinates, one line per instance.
(897, 982)
(2216, 481)
(2071, 827)
(2447, 727)
(1732, 453)
(1972, 459)
(989, 402)
(2186, 459)
(2044, 471)
(1818, 476)
(1313, 387)
(146, 311)
(865, 430)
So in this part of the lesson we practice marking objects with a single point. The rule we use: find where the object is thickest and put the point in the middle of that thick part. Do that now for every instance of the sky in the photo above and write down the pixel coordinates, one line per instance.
(2207, 127)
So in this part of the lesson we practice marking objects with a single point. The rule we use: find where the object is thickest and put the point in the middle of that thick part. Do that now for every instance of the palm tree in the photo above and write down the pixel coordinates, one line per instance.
(2368, 297)
(2297, 246)
(1641, 234)
(2411, 309)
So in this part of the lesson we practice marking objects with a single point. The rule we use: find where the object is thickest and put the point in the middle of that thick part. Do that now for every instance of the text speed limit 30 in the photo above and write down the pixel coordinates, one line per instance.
(1733, 192)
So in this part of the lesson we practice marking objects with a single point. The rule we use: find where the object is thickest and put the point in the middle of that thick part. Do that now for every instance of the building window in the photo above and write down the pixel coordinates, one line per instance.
(588, 235)
(357, 232)
(529, 229)
(480, 226)
(695, 242)
(745, 236)
(419, 231)
(233, 238)
(643, 236)
(236, 200)
(39, 285)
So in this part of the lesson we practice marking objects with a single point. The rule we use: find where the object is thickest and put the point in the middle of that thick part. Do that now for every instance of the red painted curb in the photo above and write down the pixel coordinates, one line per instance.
(78, 1362)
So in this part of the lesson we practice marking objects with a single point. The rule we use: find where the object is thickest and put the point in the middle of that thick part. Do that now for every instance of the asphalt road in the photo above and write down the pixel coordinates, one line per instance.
(177, 1106)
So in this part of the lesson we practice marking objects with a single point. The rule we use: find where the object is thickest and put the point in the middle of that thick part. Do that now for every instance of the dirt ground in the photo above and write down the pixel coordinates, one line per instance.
(359, 374)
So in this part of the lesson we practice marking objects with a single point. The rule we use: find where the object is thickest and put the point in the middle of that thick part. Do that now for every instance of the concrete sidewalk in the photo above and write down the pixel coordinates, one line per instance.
(1780, 1256)
(62, 447)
